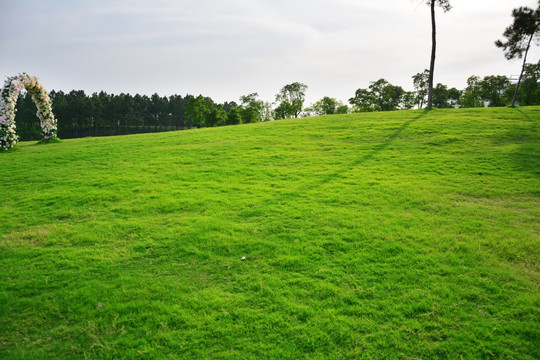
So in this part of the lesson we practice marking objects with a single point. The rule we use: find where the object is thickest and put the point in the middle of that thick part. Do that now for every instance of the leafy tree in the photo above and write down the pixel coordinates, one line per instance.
(420, 82)
(326, 106)
(386, 96)
(291, 100)
(444, 97)
(440, 96)
(529, 93)
(380, 96)
(519, 35)
(227, 106)
(233, 116)
(471, 96)
(362, 101)
(281, 111)
(408, 100)
(532, 71)
(454, 95)
(266, 112)
(250, 108)
(342, 109)
(445, 5)
(197, 110)
(492, 89)
(217, 116)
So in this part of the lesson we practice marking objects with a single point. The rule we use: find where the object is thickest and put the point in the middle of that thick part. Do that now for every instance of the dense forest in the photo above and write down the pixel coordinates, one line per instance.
(102, 114)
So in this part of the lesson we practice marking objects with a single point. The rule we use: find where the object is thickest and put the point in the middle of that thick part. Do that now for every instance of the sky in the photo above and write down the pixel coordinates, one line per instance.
(228, 48)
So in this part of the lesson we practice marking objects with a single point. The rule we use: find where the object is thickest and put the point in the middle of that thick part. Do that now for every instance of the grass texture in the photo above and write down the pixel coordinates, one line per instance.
(399, 235)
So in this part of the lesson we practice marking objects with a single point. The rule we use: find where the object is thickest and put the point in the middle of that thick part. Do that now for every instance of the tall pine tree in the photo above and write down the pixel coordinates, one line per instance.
(519, 36)
(445, 5)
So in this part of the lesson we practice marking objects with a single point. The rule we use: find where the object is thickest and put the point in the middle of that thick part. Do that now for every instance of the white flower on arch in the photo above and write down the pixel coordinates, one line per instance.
(8, 100)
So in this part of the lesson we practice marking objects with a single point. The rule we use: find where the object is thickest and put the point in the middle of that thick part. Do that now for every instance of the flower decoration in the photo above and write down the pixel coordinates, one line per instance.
(8, 100)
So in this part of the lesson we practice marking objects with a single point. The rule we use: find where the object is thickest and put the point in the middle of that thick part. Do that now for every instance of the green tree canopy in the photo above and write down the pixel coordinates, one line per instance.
(362, 101)
(519, 36)
(471, 96)
(327, 106)
(198, 109)
(233, 116)
(443, 97)
(386, 96)
(250, 108)
(492, 90)
(290, 100)
(420, 83)
(529, 93)
(380, 96)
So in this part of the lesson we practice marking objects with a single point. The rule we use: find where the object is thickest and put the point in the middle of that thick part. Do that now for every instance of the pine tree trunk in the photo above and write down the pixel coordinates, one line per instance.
(433, 50)
(522, 69)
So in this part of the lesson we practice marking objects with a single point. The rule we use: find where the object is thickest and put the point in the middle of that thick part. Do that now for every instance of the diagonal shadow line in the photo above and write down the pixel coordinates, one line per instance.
(524, 143)
(526, 116)
(339, 173)
(390, 139)
(522, 113)
(370, 155)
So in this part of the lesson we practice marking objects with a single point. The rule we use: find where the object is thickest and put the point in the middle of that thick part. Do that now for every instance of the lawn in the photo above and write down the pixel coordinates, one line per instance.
(409, 234)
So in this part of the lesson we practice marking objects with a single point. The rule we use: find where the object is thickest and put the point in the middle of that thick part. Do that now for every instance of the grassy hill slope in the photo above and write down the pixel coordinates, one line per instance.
(406, 234)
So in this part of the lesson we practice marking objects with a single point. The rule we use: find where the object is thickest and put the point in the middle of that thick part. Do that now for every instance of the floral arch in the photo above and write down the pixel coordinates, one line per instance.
(8, 100)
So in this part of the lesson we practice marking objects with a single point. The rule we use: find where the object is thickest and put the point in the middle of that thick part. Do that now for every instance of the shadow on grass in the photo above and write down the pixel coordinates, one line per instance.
(526, 116)
(374, 152)
(323, 180)
(527, 154)
(389, 140)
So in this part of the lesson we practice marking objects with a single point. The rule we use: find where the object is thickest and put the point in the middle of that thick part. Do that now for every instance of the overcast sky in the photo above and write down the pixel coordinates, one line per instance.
(228, 48)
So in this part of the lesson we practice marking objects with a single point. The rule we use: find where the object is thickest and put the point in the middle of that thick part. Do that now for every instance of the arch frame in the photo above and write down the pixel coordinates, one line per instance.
(8, 100)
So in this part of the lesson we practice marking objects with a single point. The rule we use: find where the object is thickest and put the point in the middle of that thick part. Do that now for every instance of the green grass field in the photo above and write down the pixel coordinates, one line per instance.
(399, 235)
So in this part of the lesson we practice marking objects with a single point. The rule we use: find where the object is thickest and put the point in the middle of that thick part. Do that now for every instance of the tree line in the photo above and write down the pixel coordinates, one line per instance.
(102, 114)
(492, 90)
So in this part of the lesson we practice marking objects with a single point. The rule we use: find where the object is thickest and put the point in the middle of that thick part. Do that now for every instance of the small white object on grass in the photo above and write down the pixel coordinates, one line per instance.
(243, 258)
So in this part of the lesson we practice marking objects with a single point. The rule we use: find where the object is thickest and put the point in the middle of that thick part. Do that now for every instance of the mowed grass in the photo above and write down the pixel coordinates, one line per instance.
(410, 235)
